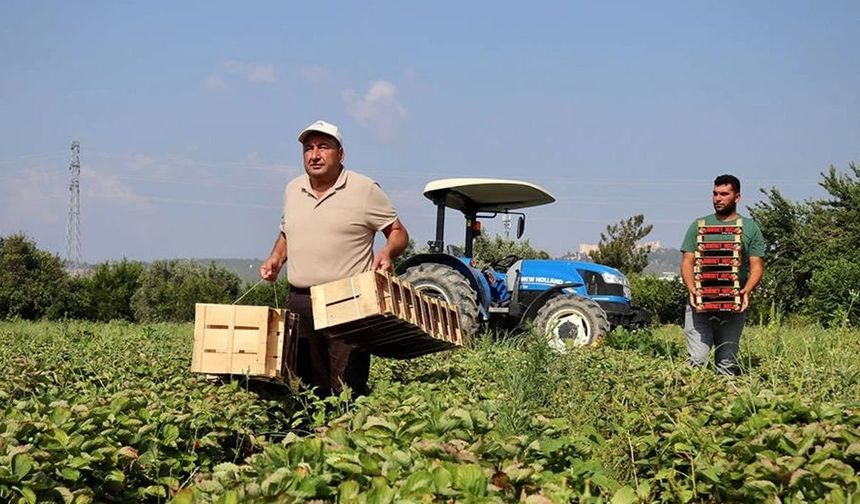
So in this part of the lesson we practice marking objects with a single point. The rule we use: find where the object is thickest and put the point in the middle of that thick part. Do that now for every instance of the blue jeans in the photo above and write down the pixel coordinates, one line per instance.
(721, 330)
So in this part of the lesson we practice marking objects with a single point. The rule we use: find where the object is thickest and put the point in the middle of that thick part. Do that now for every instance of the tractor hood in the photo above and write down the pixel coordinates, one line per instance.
(597, 268)
(567, 271)
(486, 195)
(595, 280)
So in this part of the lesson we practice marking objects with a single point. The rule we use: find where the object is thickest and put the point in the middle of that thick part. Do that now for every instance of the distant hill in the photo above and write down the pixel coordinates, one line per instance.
(664, 260)
(660, 262)
(247, 269)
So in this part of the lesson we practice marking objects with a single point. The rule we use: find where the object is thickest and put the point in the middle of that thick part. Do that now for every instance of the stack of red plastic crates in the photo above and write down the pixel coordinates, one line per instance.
(717, 266)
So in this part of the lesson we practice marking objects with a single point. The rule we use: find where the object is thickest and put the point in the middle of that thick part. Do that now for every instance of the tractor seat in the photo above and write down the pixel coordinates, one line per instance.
(513, 275)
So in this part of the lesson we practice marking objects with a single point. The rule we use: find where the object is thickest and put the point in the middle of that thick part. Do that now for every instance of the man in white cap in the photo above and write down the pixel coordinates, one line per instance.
(330, 218)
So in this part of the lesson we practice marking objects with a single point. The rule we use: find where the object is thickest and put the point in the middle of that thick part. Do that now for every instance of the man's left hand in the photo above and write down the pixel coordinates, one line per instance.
(382, 261)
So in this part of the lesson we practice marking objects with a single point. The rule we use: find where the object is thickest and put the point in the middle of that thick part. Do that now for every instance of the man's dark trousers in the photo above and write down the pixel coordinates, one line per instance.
(324, 362)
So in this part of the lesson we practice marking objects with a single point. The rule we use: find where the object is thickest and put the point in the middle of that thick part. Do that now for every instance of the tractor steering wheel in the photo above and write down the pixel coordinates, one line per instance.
(505, 262)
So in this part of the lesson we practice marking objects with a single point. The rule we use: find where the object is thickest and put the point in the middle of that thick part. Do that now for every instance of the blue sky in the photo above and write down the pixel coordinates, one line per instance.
(187, 112)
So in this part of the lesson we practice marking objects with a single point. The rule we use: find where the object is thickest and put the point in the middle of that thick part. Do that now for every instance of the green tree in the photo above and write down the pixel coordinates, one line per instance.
(409, 252)
(804, 238)
(169, 290)
(109, 290)
(618, 246)
(486, 251)
(786, 229)
(33, 283)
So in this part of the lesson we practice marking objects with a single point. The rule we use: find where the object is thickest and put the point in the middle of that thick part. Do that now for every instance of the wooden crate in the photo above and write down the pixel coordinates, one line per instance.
(255, 341)
(723, 229)
(385, 316)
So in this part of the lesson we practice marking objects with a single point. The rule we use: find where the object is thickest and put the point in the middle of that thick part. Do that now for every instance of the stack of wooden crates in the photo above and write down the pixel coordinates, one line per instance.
(385, 316)
(717, 266)
(255, 341)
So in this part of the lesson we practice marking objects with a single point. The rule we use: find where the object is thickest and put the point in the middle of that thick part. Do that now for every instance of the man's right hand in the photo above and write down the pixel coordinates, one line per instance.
(270, 268)
(693, 301)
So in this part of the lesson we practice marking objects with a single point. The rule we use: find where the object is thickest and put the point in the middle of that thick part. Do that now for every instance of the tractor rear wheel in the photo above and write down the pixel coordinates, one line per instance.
(447, 284)
(574, 319)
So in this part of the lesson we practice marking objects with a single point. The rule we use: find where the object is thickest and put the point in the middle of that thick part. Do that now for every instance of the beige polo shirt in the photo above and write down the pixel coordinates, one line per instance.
(332, 237)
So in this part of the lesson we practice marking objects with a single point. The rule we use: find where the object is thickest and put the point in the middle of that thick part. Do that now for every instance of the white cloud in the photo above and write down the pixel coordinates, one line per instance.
(315, 74)
(100, 185)
(256, 73)
(215, 82)
(379, 109)
(261, 73)
(35, 196)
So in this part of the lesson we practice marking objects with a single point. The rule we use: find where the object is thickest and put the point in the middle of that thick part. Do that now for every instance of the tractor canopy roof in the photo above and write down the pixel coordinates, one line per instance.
(486, 194)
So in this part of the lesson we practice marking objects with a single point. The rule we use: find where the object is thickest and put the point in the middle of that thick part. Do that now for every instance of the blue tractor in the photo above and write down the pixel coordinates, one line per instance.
(575, 303)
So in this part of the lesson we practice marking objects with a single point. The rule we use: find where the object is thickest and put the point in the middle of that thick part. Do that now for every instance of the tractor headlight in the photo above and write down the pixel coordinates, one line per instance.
(613, 278)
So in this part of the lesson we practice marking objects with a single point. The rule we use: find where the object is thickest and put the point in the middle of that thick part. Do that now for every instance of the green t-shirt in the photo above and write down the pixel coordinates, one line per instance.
(752, 241)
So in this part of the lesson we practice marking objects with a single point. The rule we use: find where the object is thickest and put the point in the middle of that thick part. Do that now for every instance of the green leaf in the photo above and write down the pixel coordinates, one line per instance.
(118, 404)
(442, 479)
(464, 416)
(832, 469)
(624, 495)
(348, 490)
(61, 437)
(230, 497)
(419, 482)
(471, 479)
(184, 496)
(116, 476)
(29, 495)
(342, 464)
(155, 491)
(170, 434)
(21, 465)
(711, 474)
(644, 491)
(382, 494)
(60, 415)
(66, 494)
(70, 473)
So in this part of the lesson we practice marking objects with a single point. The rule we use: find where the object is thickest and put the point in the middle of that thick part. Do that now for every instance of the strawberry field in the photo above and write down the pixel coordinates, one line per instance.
(110, 413)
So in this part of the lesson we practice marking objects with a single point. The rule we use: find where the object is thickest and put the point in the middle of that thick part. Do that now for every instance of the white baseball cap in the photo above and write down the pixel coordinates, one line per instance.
(321, 127)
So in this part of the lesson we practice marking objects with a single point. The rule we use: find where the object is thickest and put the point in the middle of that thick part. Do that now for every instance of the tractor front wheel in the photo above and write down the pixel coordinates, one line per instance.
(447, 284)
(572, 319)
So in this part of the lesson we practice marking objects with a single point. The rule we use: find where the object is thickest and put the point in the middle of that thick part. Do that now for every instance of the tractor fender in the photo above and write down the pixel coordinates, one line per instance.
(539, 301)
(475, 278)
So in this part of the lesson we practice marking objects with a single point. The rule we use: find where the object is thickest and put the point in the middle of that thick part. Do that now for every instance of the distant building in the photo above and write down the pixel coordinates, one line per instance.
(585, 248)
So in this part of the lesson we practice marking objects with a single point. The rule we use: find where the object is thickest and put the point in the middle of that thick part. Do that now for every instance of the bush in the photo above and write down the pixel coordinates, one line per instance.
(33, 283)
(665, 299)
(169, 289)
(109, 290)
(834, 292)
(489, 250)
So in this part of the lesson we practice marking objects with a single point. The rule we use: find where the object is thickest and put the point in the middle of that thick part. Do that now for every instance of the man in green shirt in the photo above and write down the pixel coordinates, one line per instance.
(721, 330)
